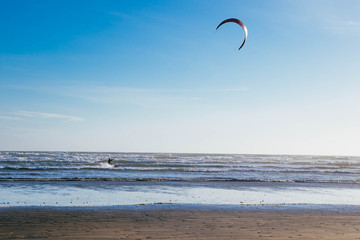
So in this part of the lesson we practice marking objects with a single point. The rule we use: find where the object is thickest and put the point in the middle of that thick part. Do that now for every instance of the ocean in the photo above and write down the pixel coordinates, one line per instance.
(86, 179)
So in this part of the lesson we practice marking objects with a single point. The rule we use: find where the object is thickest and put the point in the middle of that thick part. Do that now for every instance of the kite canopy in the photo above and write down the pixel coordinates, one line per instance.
(234, 20)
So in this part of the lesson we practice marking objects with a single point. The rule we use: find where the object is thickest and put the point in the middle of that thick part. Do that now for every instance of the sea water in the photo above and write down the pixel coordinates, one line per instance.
(86, 179)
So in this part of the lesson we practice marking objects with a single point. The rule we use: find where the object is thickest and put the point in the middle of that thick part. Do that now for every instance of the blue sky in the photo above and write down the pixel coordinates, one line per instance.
(155, 76)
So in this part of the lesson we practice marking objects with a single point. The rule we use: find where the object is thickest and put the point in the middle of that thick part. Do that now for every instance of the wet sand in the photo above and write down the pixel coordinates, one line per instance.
(98, 223)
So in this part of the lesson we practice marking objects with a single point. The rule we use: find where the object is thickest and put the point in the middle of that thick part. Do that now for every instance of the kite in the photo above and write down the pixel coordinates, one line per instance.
(234, 20)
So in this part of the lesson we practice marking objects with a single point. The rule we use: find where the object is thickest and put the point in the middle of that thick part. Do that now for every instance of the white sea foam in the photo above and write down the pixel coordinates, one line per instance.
(107, 195)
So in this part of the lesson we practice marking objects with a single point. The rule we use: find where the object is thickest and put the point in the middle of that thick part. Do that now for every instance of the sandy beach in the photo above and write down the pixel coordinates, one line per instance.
(98, 223)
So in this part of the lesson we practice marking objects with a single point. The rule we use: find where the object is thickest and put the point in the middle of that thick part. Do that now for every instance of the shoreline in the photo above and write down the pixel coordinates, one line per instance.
(104, 193)
(305, 208)
(181, 222)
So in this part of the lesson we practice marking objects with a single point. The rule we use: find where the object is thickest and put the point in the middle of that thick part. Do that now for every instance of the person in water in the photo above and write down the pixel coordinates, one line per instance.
(110, 161)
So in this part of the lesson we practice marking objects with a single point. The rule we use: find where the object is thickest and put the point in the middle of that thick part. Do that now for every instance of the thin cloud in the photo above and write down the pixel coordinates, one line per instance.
(141, 97)
(9, 118)
(344, 26)
(335, 16)
(235, 89)
(14, 68)
(49, 115)
(120, 15)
